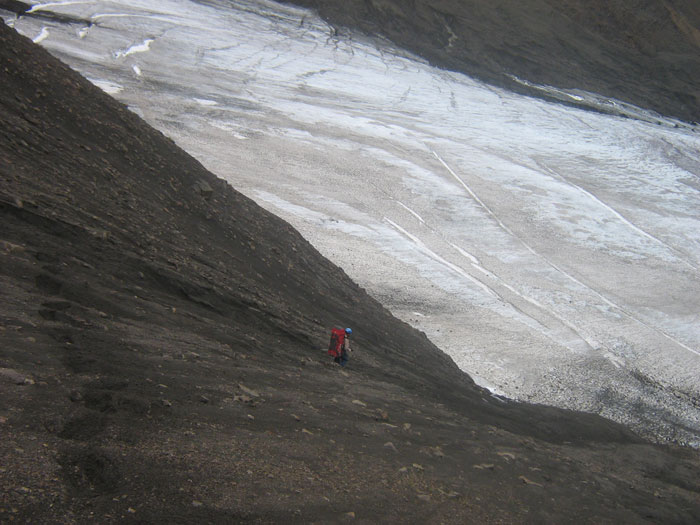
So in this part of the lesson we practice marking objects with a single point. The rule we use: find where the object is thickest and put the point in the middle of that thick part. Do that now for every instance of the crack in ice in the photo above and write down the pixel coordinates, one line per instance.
(561, 270)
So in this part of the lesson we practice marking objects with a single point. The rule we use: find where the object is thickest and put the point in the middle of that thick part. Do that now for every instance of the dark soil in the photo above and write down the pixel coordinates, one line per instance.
(162, 358)
(645, 52)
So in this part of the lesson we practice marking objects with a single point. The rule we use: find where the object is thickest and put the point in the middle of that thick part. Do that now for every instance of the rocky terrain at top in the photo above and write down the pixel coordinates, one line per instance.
(163, 359)
(644, 52)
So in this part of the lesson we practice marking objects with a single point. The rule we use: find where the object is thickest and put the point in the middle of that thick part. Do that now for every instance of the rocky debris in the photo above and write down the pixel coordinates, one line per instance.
(382, 415)
(13, 376)
(203, 189)
(76, 396)
(435, 452)
(248, 391)
(529, 481)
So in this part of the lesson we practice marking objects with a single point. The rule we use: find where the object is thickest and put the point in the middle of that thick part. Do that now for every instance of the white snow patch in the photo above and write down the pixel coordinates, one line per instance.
(229, 128)
(143, 47)
(105, 85)
(205, 102)
(43, 7)
(41, 36)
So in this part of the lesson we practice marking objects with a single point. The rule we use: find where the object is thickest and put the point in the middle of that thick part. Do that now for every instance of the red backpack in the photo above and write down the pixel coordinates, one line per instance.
(336, 344)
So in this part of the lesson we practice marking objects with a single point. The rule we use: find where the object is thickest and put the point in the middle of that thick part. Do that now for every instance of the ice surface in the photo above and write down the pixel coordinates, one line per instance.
(552, 252)
(41, 36)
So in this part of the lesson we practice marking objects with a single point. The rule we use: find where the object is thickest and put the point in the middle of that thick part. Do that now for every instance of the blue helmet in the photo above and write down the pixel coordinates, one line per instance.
(348, 331)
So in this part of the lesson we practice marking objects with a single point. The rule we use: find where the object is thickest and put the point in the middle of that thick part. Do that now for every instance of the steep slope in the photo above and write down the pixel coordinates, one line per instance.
(162, 357)
(645, 52)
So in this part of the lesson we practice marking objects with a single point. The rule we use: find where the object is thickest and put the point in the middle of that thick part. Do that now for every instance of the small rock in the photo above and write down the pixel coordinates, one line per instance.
(350, 515)
(166, 403)
(485, 466)
(203, 399)
(358, 402)
(251, 417)
(528, 481)
(57, 305)
(506, 455)
(407, 426)
(417, 466)
(49, 315)
(424, 497)
(12, 376)
(307, 432)
(196, 503)
(382, 415)
(131, 510)
(390, 446)
(10, 247)
(248, 391)
(203, 189)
